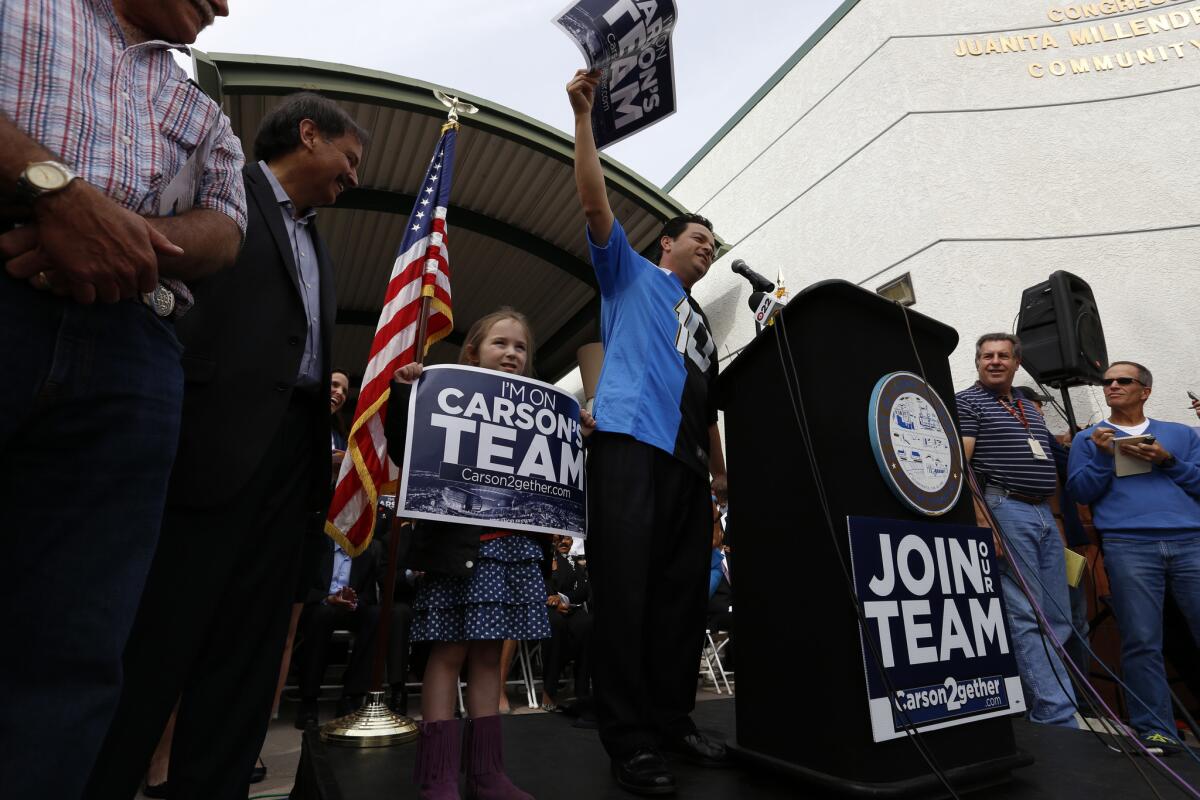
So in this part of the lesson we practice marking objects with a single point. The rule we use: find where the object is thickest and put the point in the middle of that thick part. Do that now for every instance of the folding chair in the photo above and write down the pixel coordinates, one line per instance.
(525, 654)
(712, 657)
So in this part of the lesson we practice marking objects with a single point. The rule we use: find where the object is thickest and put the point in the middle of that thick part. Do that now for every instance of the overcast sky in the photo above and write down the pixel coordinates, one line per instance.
(510, 53)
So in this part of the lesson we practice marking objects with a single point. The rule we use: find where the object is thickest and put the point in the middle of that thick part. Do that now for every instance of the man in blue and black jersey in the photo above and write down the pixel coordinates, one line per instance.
(649, 465)
(1009, 447)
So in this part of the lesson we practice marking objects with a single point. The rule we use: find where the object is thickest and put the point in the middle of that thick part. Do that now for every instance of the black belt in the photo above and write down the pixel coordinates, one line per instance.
(1031, 499)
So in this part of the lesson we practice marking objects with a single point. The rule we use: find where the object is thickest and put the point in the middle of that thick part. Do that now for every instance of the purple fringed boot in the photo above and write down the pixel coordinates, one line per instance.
(438, 759)
(484, 760)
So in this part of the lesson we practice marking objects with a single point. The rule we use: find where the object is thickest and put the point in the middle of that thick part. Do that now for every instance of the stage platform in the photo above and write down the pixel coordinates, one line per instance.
(552, 760)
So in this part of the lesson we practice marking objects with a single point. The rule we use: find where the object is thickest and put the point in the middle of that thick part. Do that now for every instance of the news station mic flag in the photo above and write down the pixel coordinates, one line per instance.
(421, 270)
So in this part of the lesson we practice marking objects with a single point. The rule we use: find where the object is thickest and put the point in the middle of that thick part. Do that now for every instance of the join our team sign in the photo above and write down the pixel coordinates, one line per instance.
(485, 447)
(932, 607)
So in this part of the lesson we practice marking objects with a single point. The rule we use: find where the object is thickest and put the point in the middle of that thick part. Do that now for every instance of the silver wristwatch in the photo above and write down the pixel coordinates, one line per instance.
(44, 177)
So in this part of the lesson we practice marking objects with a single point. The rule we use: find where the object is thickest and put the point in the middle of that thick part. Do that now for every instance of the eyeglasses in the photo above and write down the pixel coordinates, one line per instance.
(1121, 381)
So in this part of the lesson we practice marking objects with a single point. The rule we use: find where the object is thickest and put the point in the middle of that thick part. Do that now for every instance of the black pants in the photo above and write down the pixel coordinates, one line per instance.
(210, 631)
(649, 546)
(570, 638)
(319, 623)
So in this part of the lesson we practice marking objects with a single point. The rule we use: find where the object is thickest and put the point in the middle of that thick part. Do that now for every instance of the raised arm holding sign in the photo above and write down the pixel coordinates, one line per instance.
(648, 477)
(627, 47)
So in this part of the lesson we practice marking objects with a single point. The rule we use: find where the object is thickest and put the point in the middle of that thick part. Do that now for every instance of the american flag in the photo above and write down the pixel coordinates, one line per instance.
(422, 268)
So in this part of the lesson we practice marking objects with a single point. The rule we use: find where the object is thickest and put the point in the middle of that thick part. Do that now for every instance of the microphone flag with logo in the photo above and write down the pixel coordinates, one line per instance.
(421, 269)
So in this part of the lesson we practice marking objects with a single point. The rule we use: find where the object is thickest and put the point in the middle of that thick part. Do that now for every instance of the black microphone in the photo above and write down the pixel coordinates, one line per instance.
(757, 282)
(755, 299)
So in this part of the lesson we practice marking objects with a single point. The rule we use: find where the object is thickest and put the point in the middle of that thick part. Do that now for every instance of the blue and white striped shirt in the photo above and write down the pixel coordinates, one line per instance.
(1002, 454)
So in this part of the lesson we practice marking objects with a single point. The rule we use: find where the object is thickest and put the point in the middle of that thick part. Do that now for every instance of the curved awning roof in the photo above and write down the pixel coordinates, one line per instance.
(515, 229)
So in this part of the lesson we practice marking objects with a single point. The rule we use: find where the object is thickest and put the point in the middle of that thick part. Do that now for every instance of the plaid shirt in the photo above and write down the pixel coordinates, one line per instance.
(124, 118)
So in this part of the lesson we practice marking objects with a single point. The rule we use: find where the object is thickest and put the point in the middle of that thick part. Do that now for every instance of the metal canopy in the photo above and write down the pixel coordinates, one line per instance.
(516, 235)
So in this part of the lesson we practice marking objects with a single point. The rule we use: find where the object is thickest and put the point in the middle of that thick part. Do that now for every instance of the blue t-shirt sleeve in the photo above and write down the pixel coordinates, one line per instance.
(614, 261)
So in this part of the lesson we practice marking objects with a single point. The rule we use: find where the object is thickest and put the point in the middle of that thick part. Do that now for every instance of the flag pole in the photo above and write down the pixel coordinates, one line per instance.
(374, 724)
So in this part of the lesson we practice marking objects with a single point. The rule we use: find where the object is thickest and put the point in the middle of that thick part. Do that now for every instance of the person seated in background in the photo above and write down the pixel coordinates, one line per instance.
(339, 390)
(720, 587)
(570, 624)
(347, 600)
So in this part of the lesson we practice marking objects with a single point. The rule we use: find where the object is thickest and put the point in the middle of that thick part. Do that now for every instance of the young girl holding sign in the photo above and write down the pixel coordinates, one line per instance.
(480, 586)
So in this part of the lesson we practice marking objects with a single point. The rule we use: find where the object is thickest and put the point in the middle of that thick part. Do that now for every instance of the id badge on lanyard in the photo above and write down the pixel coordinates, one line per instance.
(1035, 447)
(1039, 452)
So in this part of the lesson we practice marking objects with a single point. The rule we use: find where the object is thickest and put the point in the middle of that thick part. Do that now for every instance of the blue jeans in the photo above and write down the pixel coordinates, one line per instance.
(89, 421)
(1139, 572)
(1032, 542)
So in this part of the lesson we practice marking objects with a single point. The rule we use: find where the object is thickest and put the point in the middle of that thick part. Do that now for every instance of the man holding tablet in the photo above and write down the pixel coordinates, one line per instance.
(1150, 523)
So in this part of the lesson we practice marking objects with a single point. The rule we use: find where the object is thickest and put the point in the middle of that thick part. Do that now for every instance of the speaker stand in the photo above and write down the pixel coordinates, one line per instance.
(1066, 396)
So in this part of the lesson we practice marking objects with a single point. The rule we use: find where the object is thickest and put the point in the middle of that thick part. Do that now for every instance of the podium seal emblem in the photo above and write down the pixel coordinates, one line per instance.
(915, 443)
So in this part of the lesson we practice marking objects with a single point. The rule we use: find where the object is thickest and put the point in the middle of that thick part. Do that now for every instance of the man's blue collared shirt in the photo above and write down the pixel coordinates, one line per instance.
(309, 278)
(341, 570)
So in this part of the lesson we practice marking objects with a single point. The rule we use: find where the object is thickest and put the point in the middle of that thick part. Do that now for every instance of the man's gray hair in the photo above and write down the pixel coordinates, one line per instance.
(1143, 375)
(999, 337)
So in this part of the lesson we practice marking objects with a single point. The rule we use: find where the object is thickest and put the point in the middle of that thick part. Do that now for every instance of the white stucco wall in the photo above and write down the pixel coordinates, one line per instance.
(882, 152)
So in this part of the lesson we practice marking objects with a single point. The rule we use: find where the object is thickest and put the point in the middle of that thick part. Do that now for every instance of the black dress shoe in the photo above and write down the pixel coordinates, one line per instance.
(306, 715)
(644, 772)
(155, 790)
(699, 749)
(259, 772)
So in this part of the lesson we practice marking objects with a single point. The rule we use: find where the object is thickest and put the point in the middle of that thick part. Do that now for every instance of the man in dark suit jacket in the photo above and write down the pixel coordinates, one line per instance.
(250, 478)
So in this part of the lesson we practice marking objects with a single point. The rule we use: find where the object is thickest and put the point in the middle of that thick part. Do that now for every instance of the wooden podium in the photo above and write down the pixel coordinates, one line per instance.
(801, 688)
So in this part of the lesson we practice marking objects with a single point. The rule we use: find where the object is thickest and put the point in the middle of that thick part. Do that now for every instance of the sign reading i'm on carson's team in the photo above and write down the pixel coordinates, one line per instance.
(492, 448)
(933, 611)
(915, 443)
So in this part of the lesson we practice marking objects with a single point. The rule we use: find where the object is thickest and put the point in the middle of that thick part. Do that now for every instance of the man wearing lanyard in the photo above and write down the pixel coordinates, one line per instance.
(1008, 446)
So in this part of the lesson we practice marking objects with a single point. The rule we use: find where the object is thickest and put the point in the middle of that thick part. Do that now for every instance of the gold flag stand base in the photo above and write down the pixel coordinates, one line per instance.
(373, 725)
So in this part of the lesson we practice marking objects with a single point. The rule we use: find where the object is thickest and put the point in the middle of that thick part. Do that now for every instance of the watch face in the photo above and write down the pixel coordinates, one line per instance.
(46, 177)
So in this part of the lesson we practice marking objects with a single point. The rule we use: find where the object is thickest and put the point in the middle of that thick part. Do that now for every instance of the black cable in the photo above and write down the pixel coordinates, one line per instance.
(1073, 697)
(797, 402)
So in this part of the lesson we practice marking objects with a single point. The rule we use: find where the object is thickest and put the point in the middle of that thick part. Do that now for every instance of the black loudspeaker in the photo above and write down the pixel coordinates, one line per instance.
(1062, 340)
